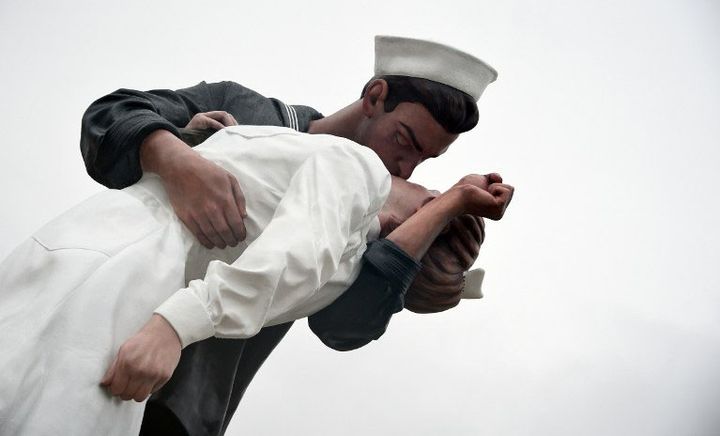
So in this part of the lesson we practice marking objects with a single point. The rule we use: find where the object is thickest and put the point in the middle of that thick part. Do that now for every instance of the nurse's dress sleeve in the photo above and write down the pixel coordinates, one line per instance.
(331, 195)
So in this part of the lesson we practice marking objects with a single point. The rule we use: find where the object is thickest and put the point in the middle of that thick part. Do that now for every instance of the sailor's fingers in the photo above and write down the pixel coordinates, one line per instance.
(236, 212)
(208, 230)
(221, 227)
(195, 229)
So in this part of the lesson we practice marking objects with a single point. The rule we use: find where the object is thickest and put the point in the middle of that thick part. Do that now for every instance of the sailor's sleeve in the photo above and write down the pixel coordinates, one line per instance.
(114, 126)
(331, 194)
(362, 313)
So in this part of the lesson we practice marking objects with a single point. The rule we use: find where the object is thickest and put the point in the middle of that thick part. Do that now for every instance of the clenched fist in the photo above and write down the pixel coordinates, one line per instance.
(145, 362)
(485, 196)
(439, 284)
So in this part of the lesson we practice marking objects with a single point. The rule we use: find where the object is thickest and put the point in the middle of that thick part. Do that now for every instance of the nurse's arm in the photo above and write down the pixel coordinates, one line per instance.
(332, 196)
(363, 312)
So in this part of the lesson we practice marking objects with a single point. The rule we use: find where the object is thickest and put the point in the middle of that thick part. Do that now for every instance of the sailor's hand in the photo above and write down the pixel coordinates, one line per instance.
(215, 120)
(439, 284)
(206, 198)
(145, 362)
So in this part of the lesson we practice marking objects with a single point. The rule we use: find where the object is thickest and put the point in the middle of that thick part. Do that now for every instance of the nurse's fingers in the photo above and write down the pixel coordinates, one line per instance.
(109, 374)
(119, 382)
(134, 385)
(502, 194)
(494, 178)
(143, 392)
(158, 385)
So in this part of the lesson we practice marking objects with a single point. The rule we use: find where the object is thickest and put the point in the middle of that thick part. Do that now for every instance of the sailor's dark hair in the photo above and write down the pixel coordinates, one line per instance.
(453, 109)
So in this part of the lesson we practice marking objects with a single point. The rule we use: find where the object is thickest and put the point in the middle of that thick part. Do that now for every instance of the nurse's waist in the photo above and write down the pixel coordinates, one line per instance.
(150, 191)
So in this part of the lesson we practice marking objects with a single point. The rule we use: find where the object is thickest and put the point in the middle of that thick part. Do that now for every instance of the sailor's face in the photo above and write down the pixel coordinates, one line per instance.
(405, 137)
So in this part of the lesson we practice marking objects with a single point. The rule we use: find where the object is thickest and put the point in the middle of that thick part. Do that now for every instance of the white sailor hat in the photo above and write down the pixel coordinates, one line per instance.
(433, 61)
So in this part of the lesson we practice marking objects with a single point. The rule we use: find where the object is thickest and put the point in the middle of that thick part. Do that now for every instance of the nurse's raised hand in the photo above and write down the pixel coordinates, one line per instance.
(206, 198)
(485, 195)
(145, 362)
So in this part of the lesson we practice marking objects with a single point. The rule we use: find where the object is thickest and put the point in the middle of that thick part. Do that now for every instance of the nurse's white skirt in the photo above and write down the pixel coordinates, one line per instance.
(69, 297)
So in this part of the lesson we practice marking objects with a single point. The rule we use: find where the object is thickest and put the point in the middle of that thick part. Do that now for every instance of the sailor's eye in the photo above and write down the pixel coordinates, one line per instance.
(400, 139)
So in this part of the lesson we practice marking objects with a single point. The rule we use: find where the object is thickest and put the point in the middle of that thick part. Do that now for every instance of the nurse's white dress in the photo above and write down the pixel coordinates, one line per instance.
(78, 288)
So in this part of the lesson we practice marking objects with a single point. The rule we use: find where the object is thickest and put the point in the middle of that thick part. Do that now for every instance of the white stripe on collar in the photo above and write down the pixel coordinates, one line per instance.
(292, 117)
(295, 117)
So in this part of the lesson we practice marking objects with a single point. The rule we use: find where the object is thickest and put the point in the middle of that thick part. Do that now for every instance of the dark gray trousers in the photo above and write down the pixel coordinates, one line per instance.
(206, 388)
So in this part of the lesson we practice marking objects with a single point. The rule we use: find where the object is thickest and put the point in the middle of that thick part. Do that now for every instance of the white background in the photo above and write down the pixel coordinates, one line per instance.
(602, 288)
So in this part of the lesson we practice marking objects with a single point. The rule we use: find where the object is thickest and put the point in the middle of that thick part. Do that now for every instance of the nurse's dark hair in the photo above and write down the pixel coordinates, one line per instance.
(453, 109)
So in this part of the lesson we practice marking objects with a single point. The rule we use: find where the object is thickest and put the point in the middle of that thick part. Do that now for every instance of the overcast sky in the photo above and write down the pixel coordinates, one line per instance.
(602, 308)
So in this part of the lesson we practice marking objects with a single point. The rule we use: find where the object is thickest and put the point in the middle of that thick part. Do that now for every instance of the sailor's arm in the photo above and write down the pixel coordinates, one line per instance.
(115, 126)
(128, 132)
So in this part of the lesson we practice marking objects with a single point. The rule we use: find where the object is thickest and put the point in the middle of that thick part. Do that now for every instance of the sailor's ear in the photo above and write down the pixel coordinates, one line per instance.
(374, 98)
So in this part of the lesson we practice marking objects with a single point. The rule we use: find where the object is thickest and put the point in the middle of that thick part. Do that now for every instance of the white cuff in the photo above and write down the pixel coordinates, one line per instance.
(187, 315)
(473, 284)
